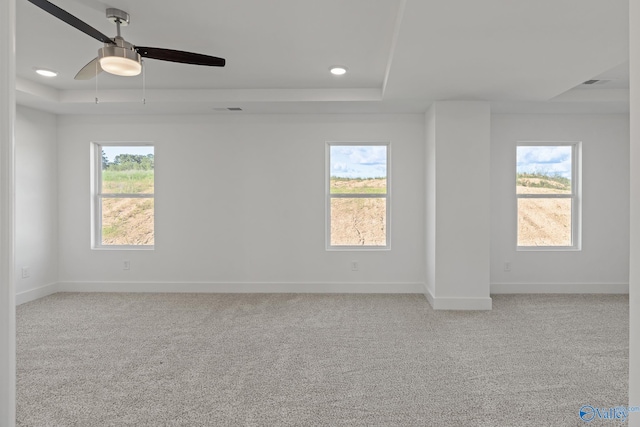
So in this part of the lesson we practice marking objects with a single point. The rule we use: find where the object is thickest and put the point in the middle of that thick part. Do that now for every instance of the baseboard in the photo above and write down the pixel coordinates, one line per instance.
(438, 303)
(560, 288)
(243, 287)
(37, 293)
(457, 303)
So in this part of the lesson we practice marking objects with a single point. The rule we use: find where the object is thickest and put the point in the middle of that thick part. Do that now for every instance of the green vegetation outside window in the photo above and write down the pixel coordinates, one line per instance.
(357, 196)
(547, 195)
(124, 195)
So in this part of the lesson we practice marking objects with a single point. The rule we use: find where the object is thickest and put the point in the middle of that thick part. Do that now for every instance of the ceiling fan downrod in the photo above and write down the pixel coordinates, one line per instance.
(118, 17)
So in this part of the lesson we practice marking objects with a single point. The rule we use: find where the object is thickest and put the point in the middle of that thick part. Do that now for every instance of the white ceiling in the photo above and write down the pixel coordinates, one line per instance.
(521, 55)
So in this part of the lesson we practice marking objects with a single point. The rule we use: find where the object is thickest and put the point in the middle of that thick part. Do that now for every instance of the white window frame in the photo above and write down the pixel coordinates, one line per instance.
(575, 196)
(329, 196)
(97, 196)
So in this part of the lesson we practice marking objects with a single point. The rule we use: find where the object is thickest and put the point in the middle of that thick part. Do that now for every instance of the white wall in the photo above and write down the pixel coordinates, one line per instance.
(36, 202)
(229, 216)
(7, 210)
(634, 279)
(603, 263)
(240, 204)
(430, 210)
(457, 140)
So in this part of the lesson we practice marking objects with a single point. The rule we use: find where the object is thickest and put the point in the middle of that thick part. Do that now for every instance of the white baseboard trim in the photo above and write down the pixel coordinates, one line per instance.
(438, 303)
(37, 293)
(457, 303)
(560, 288)
(243, 287)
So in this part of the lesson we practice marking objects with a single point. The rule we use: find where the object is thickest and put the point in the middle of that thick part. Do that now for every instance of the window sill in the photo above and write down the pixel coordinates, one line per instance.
(358, 248)
(548, 249)
(123, 248)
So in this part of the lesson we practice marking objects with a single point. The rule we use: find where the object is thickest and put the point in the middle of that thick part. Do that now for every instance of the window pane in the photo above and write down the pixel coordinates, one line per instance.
(127, 170)
(358, 222)
(127, 221)
(358, 185)
(543, 169)
(358, 169)
(544, 222)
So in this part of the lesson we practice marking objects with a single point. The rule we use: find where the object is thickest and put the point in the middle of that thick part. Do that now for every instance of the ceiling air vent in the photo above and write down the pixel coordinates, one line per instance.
(227, 109)
(596, 82)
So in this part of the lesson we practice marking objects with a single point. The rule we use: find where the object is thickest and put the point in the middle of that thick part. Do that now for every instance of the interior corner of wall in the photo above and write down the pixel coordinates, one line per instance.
(429, 294)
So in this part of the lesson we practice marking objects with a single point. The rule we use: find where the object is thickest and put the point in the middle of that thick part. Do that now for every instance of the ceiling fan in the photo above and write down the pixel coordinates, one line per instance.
(118, 56)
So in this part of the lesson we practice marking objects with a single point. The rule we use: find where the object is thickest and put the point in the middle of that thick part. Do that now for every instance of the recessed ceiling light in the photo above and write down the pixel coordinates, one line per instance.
(338, 70)
(46, 73)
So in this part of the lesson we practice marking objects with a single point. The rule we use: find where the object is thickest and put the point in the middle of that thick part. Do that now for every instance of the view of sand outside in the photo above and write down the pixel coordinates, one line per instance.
(543, 222)
(358, 221)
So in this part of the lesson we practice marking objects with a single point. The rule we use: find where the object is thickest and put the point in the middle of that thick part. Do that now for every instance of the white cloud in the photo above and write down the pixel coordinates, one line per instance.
(369, 155)
(339, 167)
(352, 161)
(552, 160)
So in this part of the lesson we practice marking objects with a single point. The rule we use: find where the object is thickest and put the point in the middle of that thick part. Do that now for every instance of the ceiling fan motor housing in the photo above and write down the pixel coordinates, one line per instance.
(118, 16)
(120, 59)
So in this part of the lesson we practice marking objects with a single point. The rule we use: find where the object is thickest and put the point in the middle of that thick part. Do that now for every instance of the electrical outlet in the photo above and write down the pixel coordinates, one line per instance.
(354, 265)
(25, 272)
(126, 265)
(507, 266)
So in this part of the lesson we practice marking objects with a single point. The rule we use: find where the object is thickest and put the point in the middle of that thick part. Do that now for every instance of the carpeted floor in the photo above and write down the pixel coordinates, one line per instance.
(305, 360)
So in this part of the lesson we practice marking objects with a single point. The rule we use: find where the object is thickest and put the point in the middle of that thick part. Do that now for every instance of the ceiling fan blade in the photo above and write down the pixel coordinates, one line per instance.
(71, 20)
(179, 56)
(89, 71)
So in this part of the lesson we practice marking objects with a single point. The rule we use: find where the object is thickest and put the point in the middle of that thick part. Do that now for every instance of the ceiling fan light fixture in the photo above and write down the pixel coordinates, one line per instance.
(120, 61)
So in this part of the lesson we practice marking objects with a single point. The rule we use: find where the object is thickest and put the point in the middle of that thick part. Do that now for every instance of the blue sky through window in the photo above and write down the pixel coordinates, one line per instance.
(358, 161)
(545, 160)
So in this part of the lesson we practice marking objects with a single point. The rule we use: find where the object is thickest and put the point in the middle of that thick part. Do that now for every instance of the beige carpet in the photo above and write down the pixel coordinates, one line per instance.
(325, 360)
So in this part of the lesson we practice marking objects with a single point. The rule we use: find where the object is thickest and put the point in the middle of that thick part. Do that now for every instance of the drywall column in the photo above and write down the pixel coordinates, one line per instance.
(7, 206)
(634, 272)
(458, 205)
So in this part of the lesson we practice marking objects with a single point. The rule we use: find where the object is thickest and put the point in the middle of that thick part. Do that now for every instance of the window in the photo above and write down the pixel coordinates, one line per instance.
(357, 196)
(547, 192)
(123, 210)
